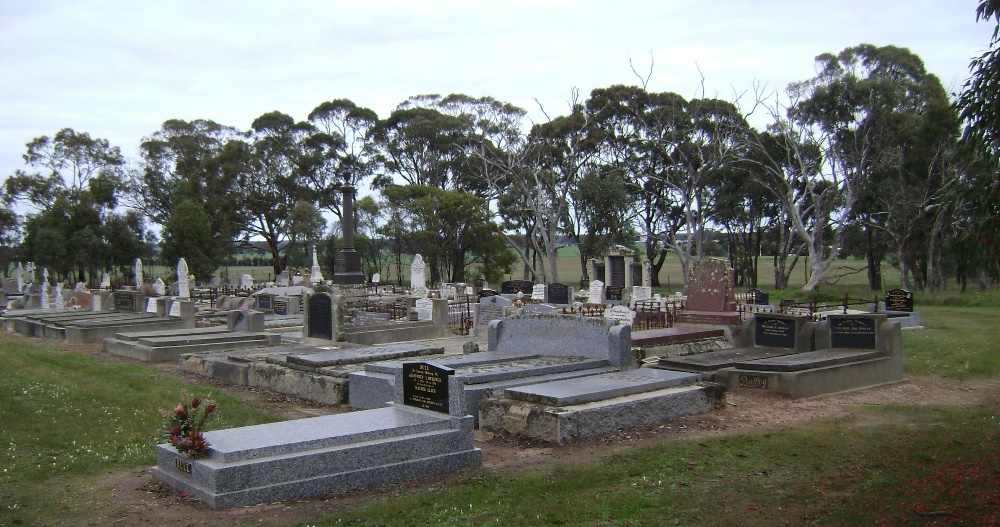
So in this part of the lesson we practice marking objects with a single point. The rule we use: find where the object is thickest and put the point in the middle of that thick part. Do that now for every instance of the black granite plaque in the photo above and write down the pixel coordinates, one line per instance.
(426, 386)
(558, 293)
(759, 297)
(125, 301)
(617, 278)
(264, 302)
(280, 307)
(614, 292)
(506, 288)
(487, 292)
(898, 300)
(852, 332)
(521, 286)
(321, 316)
(774, 332)
(753, 381)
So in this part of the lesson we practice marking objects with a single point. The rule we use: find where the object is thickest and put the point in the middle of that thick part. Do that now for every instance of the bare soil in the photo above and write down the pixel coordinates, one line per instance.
(132, 497)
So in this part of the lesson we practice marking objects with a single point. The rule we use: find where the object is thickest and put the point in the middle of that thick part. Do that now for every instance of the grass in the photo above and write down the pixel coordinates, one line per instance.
(66, 415)
(68, 419)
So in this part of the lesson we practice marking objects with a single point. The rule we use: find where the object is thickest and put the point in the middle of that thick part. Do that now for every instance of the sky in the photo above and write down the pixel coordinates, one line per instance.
(118, 70)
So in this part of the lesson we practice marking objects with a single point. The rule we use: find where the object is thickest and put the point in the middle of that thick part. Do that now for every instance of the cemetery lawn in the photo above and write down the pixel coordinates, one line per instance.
(77, 427)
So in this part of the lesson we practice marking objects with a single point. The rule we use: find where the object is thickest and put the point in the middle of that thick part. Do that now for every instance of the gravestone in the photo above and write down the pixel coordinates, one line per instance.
(558, 293)
(484, 293)
(490, 308)
(424, 308)
(599, 273)
(425, 386)
(711, 287)
(281, 305)
(538, 292)
(614, 292)
(315, 274)
(774, 332)
(246, 282)
(367, 318)
(418, 281)
(522, 286)
(376, 278)
(620, 314)
(759, 297)
(44, 292)
(282, 279)
(19, 277)
(60, 302)
(596, 292)
(898, 300)
(640, 293)
(137, 272)
(321, 316)
(852, 332)
(183, 288)
(126, 301)
(637, 275)
(151, 305)
(265, 302)
(159, 287)
(617, 271)
(175, 308)
(81, 288)
(105, 281)
(506, 288)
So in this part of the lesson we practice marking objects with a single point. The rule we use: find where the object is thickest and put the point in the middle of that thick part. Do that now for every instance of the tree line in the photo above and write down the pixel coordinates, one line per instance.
(865, 159)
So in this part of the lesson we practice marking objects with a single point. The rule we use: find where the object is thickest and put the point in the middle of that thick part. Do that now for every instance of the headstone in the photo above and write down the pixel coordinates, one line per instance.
(538, 292)
(105, 281)
(19, 277)
(469, 290)
(175, 308)
(774, 332)
(125, 301)
(246, 282)
(281, 306)
(60, 302)
(418, 282)
(558, 293)
(376, 278)
(137, 271)
(449, 292)
(282, 279)
(315, 274)
(490, 308)
(759, 297)
(265, 302)
(366, 318)
(183, 291)
(44, 290)
(424, 308)
(614, 292)
(522, 286)
(81, 288)
(159, 287)
(425, 386)
(898, 300)
(506, 289)
(711, 287)
(852, 332)
(321, 316)
(483, 293)
(151, 305)
(617, 268)
(641, 292)
(596, 292)
(620, 314)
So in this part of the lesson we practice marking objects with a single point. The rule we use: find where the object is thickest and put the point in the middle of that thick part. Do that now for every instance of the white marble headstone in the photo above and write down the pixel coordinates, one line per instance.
(538, 292)
(424, 308)
(596, 292)
(105, 281)
(60, 302)
(137, 269)
(159, 287)
(182, 279)
(315, 275)
(19, 277)
(620, 314)
(151, 305)
(246, 281)
(640, 292)
(418, 282)
(376, 278)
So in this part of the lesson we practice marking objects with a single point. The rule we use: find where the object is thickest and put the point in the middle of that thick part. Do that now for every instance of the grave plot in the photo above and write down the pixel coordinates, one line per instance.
(84, 326)
(853, 351)
(315, 372)
(170, 345)
(321, 455)
(763, 336)
(568, 410)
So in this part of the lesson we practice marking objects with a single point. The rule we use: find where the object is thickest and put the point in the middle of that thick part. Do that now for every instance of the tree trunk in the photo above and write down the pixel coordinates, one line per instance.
(874, 261)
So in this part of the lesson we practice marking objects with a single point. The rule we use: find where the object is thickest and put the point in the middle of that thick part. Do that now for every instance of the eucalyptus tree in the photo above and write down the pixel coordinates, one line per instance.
(74, 190)
(194, 164)
(343, 149)
(422, 146)
(891, 125)
(273, 175)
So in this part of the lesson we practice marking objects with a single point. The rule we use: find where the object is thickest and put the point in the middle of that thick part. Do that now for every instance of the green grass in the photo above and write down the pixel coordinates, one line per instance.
(66, 415)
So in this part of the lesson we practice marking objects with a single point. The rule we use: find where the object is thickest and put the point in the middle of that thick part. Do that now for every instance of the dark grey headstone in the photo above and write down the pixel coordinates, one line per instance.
(759, 297)
(264, 302)
(614, 292)
(321, 316)
(487, 292)
(125, 301)
(558, 293)
(774, 332)
(426, 386)
(506, 288)
(521, 286)
(617, 275)
(280, 307)
(898, 300)
(852, 332)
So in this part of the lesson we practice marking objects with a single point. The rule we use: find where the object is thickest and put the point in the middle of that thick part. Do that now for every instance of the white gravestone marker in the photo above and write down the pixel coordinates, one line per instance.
(175, 308)
(376, 278)
(105, 281)
(425, 309)
(246, 281)
(159, 287)
(620, 314)
(538, 292)
(19, 277)
(151, 305)
(315, 275)
(182, 279)
(60, 303)
(418, 283)
(44, 290)
(640, 293)
(596, 292)
(137, 269)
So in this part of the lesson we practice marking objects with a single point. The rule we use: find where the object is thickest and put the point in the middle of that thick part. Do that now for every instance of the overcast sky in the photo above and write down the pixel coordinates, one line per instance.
(117, 70)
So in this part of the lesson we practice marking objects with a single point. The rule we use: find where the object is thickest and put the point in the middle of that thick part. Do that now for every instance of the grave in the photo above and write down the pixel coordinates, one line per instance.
(711, 298)
(559, 294)
(86, 326)
(899, 307)
(488, 309)
(763, 336)
(320, 455)
(852, 351)
(169, 345)
(418, 281)
(567, 410)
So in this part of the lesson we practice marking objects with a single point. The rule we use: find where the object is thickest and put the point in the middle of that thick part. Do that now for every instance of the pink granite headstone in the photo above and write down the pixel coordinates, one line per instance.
(711, 287)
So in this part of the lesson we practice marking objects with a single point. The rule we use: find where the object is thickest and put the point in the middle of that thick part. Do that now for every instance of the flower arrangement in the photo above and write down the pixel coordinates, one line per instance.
(183, 426)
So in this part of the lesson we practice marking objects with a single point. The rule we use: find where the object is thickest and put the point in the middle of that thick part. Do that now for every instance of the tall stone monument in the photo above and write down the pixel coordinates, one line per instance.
(137, 268)
(315, 275)
(349, 262)
(183, 290)
(418, 281)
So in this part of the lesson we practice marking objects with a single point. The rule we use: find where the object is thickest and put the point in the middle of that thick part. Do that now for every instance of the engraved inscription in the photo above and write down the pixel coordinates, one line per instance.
(182, 465)
(753, 381)
(426, 386)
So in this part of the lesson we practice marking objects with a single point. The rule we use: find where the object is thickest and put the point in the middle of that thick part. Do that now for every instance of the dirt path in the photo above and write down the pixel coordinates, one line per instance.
(132, 497)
